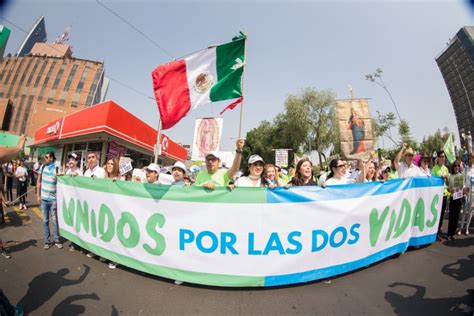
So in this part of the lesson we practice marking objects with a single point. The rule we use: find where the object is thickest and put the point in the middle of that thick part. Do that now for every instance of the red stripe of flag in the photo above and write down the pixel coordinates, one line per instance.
(232, 105)
(171, 92)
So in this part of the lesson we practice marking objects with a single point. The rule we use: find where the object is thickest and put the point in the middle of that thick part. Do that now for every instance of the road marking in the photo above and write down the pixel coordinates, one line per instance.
(37, 212)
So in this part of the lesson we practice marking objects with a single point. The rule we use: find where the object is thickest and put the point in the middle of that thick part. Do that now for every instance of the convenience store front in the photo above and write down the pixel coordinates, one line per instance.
(110, 131)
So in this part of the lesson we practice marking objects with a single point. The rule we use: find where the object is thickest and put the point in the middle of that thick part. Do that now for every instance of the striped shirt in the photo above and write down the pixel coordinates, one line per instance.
(48, 182)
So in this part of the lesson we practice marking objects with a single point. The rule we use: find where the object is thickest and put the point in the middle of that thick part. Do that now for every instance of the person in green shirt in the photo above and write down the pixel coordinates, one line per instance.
(440, 170)
(214, 177)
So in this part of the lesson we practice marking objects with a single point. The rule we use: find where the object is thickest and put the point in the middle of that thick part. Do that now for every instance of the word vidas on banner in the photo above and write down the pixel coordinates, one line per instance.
(399, 222)
(103, 225)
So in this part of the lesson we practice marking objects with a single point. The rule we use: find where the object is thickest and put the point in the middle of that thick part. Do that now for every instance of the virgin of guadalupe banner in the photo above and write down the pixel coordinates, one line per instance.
(207, 136)
(355, 127)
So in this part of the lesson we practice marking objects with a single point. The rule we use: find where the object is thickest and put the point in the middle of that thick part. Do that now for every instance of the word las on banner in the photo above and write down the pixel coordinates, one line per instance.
(355, 127)
(207, 137)
(210, 75)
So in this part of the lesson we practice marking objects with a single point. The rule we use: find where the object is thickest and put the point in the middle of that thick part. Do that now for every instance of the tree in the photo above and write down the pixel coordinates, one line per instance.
(317, 116)
(434, 142)
(405, 134)
(308, 123)
(259, 141)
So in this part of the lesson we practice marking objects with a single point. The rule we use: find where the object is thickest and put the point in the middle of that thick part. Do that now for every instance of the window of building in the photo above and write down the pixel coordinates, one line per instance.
(19, 109)
(15, 76)
(26, 116)
(70, 77)
(35, 66)
(23, 76)
(80, 85)
(59, 75)
(40, 74)
(46, 80)
(7, 78)
(93, 89)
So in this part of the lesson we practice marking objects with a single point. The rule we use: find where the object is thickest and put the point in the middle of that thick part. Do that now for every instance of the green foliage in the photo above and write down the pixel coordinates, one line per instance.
(405, 134)
(434, 142)
(308, 123)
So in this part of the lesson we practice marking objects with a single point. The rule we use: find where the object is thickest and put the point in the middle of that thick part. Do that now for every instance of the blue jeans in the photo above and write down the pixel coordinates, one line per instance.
(49, 209)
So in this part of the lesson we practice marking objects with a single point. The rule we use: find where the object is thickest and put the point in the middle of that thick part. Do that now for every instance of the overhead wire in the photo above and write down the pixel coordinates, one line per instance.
(136, 29)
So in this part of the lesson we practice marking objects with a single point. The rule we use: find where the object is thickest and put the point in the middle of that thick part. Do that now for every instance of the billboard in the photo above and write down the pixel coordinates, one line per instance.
(36, 35)
(4, 34)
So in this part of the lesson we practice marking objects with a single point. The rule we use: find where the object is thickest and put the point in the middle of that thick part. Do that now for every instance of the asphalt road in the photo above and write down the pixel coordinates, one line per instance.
(433, 280)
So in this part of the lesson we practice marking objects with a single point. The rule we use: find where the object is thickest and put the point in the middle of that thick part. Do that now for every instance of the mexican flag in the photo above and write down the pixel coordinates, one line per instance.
(213, 74)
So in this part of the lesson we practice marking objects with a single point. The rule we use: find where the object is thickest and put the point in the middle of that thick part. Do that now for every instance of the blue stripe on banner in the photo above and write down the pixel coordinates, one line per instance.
(348, 191)
(347, 267)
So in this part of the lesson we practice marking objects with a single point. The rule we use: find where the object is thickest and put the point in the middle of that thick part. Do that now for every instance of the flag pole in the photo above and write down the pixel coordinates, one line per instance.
(157, 148)
(243, 77)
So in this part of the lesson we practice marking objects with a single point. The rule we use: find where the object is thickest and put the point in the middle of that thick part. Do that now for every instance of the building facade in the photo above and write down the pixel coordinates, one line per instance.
(456, 63)
(47, 84)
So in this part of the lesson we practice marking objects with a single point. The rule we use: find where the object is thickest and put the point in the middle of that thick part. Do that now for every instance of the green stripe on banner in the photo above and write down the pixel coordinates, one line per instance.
(229, 65)
(170, 273)
(167, 192)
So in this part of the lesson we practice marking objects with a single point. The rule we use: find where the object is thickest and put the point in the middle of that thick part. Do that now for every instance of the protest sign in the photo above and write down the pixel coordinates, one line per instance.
(248, 236)
(355, 128)
(125, 165)
(207, 137)
(281, 157)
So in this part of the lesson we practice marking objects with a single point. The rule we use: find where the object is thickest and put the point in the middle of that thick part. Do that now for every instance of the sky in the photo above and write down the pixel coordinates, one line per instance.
(291, 45)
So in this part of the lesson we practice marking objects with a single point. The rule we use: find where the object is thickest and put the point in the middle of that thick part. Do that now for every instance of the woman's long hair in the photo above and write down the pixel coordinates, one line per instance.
(115, 171)
(298, 178)
(264, 174)
(332, 164)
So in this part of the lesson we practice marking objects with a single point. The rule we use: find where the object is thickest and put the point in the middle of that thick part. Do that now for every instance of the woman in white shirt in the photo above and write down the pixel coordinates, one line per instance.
(338, 172)
(21, 173)
(253, 176)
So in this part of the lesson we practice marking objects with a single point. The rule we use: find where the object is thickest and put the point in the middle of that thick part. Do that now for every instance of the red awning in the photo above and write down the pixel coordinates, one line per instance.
(108, 117)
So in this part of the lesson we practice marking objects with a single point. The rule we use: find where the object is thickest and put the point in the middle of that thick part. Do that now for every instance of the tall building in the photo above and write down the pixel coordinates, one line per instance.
(36, 35)
(46, 84)
(456, 63)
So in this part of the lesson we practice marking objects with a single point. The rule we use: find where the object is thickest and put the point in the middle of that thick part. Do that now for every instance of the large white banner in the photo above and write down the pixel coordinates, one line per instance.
(207, 137)
(248, 237)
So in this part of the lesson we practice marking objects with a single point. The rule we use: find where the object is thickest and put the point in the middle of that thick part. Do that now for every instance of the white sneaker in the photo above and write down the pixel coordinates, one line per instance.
(459, 233)
(467, 232)
(177, 282)
(112, 265)
(90, 255)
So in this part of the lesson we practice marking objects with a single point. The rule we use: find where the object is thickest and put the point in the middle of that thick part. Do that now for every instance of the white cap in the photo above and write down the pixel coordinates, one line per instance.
(215, 154)
(255, 158)
(73, 156)
(153, 167)
(180, 165)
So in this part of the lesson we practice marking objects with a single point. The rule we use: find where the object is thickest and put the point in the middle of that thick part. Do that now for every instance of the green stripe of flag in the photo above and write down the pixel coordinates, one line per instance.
(171, 273)
(166, 192)
(229, 65)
